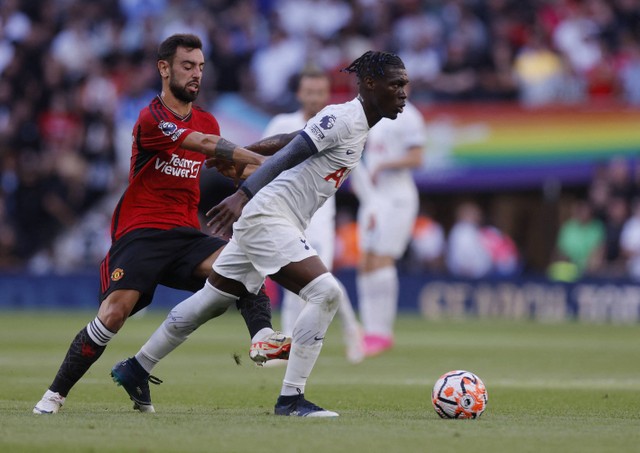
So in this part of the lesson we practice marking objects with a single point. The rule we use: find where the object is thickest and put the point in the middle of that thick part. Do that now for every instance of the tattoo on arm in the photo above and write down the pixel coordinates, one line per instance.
(224, 149)
(270, 145)
(297, 151)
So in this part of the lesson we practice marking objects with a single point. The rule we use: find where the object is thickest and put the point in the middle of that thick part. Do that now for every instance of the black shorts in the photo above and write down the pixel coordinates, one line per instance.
(148, 257)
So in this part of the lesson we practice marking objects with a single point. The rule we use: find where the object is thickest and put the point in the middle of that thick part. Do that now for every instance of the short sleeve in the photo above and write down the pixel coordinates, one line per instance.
(275, 126)
(161, 135)
(327, 129)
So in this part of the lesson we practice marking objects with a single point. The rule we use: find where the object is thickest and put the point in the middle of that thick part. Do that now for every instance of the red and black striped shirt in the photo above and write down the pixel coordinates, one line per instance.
(164, 179)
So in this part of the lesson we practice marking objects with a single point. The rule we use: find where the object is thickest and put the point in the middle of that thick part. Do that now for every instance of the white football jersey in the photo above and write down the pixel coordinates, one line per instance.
(338, 132)
(396, 201)
(390, 140)
(285, 123)
(321, 229)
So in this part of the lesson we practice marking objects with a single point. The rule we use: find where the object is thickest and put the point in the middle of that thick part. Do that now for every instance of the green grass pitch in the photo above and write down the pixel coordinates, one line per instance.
(552, 388)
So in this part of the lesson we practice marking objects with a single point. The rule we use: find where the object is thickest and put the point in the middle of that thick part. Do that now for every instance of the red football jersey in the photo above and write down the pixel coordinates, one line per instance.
(164, 179)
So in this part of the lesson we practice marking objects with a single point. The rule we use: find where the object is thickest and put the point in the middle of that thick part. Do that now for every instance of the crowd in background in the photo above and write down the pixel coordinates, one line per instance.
(601, 234)
(74, 75)
(598, 235)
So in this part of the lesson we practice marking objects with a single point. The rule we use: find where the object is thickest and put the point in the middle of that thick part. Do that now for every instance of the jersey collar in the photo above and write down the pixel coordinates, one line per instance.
(184, 118)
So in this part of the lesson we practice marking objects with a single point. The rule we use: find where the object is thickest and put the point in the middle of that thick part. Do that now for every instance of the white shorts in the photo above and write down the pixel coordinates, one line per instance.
(393, 226)
(261, 245)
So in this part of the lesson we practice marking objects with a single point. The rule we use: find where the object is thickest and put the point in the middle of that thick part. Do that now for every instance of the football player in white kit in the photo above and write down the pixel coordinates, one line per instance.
(387, 214)
(269, 213)
(313, 94)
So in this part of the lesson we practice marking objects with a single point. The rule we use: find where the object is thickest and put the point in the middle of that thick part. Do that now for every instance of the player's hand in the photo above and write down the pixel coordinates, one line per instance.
(225, 213)
(232, 170)
(239, 173)
(246, 157)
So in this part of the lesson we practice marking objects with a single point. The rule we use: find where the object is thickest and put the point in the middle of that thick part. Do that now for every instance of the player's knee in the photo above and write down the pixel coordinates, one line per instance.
(202, 306)
(213, 302)
(113, 317)
(324, 290)
(116, 308)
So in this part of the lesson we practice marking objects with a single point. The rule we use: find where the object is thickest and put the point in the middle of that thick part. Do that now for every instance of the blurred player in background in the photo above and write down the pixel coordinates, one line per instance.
(269, 214)
(156, 237)
(389, 203)
(313, 94)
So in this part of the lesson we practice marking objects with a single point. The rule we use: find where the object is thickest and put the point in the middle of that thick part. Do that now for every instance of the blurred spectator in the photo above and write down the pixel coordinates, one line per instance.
(8, 237)
(60, 126)
(462, 25)
(135, 92)
(423, 61)
(503, 251)
(539, 72)
(239, 30)
(612, 261)
(427, 246)
(419, 38)
(15, 26)
(466, 254)
(599, 193)
(612, 179)
(620, 178)
(576, 37)
(630, 242)
(497, 79)
(347, 253)
(629, 70)
(602, 81)
(579, 243)
(273, 66)
(322, 18)
(181, 16)
(138, 10)
(458, 79)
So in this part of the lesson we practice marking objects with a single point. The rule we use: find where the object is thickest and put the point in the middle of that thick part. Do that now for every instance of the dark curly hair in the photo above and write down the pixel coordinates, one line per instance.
(372, 63)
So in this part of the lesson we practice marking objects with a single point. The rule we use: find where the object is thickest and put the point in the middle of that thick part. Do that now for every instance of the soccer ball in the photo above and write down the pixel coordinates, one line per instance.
(459, 394)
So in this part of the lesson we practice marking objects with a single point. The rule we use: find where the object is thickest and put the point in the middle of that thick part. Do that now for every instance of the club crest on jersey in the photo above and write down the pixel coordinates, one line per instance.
(327, 122)
(170, 130)
(117, 274)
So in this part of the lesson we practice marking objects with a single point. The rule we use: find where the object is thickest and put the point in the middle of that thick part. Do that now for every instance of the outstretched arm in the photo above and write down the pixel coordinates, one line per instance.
(265, 147)
(228, 211)
(220, 148)
(270, 145)
(411, 159)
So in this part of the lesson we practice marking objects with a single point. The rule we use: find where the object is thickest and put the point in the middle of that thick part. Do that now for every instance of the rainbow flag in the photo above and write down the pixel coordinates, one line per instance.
(503, 146)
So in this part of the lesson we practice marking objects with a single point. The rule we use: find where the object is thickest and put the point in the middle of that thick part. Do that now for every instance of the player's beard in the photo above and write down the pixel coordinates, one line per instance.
(181, 93)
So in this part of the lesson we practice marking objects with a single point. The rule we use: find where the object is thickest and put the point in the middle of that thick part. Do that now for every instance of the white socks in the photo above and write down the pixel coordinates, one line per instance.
(346, 313)
(99, 333)
(378, 300)
(183, 319)
(292, 306)
(323, 298)
(261, 334)
(290, 309)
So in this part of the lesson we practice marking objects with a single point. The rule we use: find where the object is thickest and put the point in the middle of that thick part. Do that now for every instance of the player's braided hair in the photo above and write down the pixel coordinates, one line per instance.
(372, 63)
(168, 47)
